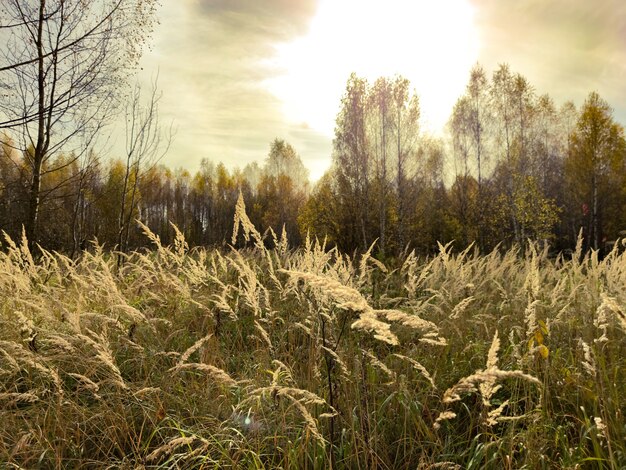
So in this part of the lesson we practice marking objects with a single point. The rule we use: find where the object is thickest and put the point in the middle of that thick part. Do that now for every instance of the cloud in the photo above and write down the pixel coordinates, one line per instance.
(213, 57)
(566, 48)
(277, 20)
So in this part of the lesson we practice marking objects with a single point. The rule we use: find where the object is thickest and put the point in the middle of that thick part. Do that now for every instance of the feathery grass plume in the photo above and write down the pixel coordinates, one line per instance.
(484, 382)
(468, 384)
(253, 292)
(419, 367)
(194, 270)
(589, 364)
(26, 326)
(444, 254)
(296, 396)
(495, 415)
(281, 373)
(15, 399)
(381, 331)
(169, 447)
(516, 350)
(21, 356)
(342, 268)
(19, 263)
(443, 416)
(87, 384)
(281, 246)
(247, 227)
(180, 244)
(608, 308)
(154, 238)
(532, 283)
(131, 313)
(11, 244)
(530, 318)
(8, 360)
(576, 256)
(271, 258)
(23, 444)
(309, 421)
(363, 271)
(26, 256)
(350, 299)
(379, 264)
(313, 258)
(306, 329)
(104, 354)
(459, 308)
(305, 396)
(557, 296)
(343, 369)
(601, 320)
(438, 341)
(333, 290)
(410, 320)
(221, 302)
(377, 363)
(601, 428)
(492, 355)
(97, 320)
(56, 378)
(441, 466)
(146, 391)
(264, 334)
(410, 269)
(193, 348)
(214, 372)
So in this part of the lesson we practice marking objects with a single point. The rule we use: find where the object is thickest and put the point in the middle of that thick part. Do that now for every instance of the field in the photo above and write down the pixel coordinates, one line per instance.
(272, 358)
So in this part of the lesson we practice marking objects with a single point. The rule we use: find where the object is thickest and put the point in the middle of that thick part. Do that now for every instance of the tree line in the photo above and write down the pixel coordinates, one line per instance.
(103, 199)
(512, 165)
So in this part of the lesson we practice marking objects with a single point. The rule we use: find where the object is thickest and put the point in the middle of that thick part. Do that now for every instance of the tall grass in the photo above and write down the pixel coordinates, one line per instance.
(257, 358)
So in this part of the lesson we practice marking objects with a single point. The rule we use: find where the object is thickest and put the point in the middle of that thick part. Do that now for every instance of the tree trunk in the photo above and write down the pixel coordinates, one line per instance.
(595, 213)
(40, 147)
(33, 205)
(383, 181)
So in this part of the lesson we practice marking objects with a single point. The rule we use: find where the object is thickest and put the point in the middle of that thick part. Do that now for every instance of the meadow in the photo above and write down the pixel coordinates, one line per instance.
(275, 358)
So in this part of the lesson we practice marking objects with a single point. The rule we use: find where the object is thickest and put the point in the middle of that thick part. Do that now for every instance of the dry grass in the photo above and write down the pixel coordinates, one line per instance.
(258, 358)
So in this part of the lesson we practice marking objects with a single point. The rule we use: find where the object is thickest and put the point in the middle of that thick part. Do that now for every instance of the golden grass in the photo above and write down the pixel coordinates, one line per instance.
(258, 358)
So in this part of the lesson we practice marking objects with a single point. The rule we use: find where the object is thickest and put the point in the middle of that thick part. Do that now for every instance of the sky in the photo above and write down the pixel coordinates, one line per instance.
(236, 74)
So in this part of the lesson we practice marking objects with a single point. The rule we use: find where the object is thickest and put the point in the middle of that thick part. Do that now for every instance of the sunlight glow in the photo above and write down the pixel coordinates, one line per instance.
(433, 43)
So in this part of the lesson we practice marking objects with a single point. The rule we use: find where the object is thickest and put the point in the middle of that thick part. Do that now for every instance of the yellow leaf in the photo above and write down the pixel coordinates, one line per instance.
(538, 337)
(544, 351)
(543, 327)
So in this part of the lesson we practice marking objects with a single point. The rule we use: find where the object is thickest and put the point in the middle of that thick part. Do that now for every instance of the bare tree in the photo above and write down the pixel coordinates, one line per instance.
(380, 109)
(469, 127)
(405, 123)
(146, 144)
(63, 64)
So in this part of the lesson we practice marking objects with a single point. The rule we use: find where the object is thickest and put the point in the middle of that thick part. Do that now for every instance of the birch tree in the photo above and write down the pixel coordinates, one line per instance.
(63, 64)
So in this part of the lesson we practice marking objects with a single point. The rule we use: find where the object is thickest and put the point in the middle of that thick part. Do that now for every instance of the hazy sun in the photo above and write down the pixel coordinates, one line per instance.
(433, 43)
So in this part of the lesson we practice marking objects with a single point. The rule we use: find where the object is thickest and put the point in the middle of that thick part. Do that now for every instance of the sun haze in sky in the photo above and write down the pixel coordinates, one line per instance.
(235, 74)
(432, 43)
